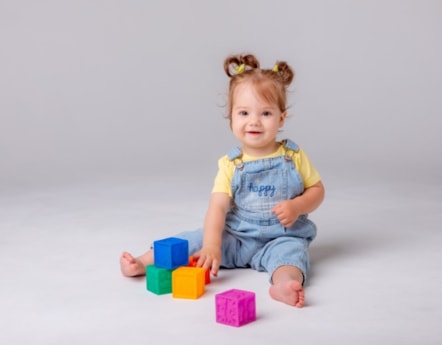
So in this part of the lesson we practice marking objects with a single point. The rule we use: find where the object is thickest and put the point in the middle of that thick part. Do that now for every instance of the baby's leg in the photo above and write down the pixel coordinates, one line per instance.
(287, 286)
(132, 267)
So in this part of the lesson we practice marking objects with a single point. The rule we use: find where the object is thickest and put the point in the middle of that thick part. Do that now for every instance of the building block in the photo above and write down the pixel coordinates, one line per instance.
(235, 307)
(171, 252)
(192, 263)
(158, 280)
(188, 282)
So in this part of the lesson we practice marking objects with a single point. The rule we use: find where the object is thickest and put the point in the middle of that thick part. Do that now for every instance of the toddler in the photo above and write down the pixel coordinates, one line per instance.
(263, 192)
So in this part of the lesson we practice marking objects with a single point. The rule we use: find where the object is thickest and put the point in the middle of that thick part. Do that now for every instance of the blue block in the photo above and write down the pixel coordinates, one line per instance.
(171, 252)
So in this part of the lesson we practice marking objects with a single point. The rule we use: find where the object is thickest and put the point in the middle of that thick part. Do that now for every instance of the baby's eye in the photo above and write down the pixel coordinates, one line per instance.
(266, 113)
(243, 113)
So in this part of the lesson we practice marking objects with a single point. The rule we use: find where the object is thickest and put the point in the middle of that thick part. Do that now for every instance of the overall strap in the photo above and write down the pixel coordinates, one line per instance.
(290, 148)
(290, 145)
(235, 155)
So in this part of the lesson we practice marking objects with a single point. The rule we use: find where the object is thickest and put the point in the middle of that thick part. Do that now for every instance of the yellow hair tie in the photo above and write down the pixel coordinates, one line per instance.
(275, 68)
(239, 69)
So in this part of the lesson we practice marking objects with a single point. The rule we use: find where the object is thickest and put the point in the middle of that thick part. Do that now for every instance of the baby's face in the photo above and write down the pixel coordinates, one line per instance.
(254, 121)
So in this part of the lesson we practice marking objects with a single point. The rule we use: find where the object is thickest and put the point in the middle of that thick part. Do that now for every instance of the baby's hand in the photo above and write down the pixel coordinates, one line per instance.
(209, 257)
(286, 212)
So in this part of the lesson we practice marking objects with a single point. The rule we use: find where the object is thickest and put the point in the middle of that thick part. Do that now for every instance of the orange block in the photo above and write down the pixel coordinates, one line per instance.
(188, 282)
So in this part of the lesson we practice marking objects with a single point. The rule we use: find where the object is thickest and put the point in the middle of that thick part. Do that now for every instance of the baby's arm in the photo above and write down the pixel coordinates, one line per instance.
(288, 211)
(210, 254)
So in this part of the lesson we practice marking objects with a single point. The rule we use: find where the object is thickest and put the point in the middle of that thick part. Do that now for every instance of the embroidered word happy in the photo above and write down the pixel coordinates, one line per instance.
(262, 190)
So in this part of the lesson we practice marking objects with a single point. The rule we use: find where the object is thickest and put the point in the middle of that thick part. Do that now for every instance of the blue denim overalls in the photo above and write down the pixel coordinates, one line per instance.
(253, 236)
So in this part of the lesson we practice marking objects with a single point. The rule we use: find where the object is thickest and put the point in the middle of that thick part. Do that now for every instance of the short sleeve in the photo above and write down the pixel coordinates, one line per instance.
(223, 179)
(308, 172)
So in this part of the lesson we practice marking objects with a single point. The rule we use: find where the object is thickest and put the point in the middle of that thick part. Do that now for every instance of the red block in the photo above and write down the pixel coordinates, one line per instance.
(192, 263)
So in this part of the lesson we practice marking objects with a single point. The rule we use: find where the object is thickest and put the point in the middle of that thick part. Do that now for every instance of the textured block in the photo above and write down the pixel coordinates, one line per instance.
(158, 280)
(171, 252)
(235, 307)
(188, 282)
(192, 263)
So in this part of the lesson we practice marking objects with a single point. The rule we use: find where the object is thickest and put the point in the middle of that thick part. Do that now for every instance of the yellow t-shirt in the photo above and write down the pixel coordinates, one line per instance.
(226, 168)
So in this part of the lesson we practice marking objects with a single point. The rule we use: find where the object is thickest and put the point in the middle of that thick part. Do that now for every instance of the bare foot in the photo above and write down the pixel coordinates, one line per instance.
(289, 292)
(130, 266)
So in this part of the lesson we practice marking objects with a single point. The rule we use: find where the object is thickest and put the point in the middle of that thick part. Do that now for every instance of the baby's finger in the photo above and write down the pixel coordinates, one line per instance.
(215, 268)
(201, 260)
(207, 264)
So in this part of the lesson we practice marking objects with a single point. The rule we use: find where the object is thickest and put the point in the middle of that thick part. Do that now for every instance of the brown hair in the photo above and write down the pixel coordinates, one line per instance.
(271, 84)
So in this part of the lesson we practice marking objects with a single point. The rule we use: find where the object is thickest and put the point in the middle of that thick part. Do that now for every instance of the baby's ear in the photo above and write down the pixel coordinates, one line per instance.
(282, 119)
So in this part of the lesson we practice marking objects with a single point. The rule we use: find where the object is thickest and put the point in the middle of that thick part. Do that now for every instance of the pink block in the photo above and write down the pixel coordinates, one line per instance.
(235, 307)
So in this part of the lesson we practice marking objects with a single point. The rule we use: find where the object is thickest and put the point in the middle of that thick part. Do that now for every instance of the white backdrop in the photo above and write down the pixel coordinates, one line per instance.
(111, 124)
(118, 89)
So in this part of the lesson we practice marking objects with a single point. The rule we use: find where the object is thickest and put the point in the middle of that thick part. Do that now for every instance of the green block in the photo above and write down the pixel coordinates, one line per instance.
(158, 280)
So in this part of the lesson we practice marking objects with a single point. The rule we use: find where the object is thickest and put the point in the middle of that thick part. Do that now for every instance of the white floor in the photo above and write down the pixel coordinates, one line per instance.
(375, 279)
